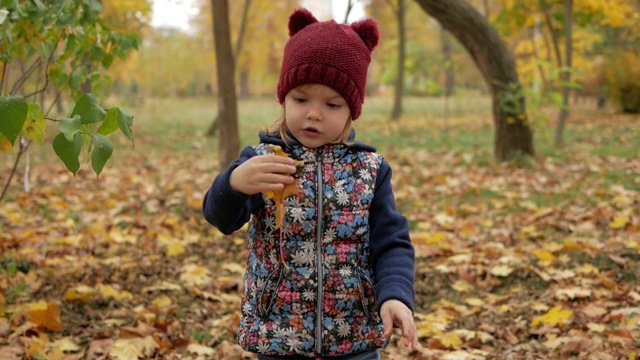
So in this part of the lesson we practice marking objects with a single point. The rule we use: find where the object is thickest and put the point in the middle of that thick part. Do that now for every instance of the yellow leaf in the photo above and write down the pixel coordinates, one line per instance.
(5, 144)
(71, 240)
(124, 349)
(79, 293)
(2, 306)
(35, 125)
(109, 291)
(619, 221)
(279, 196)
(538, 306)
(162, 286)
(598, 328)
(587, 269)
(175, 248)
(573, 293)
(461, 286)
(200, 350)
(66, 344)
(553, 317)
(544, 257)
(501, 270)
(36, 347)
(474, 301)
(195, 275)
(162, 301)
(45, 314)
(451, 340)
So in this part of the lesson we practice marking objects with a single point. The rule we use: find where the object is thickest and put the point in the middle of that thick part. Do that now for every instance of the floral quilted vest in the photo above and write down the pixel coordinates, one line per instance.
(313, 293)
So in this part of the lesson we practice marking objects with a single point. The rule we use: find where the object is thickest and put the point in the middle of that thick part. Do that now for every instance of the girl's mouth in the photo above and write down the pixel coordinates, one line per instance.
(311, 132)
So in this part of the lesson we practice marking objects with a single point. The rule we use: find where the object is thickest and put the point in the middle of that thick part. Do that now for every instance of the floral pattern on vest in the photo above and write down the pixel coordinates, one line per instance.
(288, 308)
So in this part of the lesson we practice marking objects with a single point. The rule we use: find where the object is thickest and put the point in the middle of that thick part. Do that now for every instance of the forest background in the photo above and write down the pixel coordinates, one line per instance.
(535, 257)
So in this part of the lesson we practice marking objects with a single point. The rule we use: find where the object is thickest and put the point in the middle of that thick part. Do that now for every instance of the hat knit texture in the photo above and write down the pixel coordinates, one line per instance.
(328, 53)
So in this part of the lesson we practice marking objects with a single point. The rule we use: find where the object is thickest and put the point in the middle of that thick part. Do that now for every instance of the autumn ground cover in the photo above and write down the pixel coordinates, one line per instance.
(534, 259)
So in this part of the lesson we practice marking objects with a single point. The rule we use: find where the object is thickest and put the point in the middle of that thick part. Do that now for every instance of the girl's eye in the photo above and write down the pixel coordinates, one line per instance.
(333, 106)
(300, 100)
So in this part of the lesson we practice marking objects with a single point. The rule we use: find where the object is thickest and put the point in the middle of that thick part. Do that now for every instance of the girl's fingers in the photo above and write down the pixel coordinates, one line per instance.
(277, 179)
(270, 187)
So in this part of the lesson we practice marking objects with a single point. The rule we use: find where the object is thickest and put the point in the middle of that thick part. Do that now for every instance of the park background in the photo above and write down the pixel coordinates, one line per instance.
(526, 254)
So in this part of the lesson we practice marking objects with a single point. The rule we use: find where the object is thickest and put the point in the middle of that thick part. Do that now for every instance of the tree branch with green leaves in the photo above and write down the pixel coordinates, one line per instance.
(67, 44)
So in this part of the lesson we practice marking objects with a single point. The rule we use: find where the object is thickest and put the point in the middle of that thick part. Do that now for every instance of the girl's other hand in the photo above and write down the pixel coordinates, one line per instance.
(263, 173)
(394, 312)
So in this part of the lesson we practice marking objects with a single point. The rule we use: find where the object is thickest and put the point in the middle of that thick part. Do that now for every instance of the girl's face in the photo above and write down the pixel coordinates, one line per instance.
(315, 114)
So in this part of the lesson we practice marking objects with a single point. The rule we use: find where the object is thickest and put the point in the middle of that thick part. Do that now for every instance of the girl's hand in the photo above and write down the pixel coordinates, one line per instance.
(262, 173)
(394, 312)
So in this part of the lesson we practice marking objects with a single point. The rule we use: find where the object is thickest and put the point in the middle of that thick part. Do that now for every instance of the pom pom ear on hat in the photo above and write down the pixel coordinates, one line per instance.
(299, 20)
(368, 31)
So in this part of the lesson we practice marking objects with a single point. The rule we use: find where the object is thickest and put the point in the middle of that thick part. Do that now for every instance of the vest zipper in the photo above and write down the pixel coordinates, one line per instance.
(319, 266)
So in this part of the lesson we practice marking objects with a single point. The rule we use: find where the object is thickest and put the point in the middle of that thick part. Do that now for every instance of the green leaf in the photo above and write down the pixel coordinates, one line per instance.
(68, 151)
(35, 125)
(88, 109)
(110, 122)
(3, 15)
(117, 118)
(13, 113)
(107, 60)
(70, 127)
(94, 5)
(76, 76)
(102, 151)
(40, 5)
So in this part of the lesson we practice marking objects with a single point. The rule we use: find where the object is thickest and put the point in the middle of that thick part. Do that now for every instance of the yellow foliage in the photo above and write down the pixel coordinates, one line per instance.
(45, 314)
(544, 257)
(109, 291)
(450, 340)
(501, 270)
(175, 249)
(598, 328)
(555, 316)
(195, 275)
(279, 196)
(66, 344)
(81, 293)
(619, 221)
(162, 301)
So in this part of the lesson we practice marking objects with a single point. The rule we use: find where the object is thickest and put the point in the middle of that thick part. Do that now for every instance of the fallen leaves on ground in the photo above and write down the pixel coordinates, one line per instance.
(512, 262)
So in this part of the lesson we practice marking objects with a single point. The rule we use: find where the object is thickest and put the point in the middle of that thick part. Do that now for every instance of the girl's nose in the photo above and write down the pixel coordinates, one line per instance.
(314, 113)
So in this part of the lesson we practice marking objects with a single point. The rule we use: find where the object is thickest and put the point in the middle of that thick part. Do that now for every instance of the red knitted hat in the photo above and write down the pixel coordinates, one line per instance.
(330, 54)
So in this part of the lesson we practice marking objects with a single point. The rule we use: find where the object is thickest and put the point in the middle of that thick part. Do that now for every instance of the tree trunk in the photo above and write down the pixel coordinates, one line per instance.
(399, 86)
(445, 42)
(348, 12)
(213, 127)
(244, 84)
(229, 143)
(512, 131)
(566, 74)
(552, 32)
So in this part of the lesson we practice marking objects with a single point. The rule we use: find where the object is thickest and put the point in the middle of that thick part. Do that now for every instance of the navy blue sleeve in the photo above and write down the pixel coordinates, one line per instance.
(225, 208)
(392, 253)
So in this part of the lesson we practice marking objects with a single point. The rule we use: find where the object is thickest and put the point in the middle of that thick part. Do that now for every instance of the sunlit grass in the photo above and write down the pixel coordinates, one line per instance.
(464, 123)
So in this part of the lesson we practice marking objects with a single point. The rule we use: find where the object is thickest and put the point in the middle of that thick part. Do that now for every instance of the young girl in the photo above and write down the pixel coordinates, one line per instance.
(331, 272)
